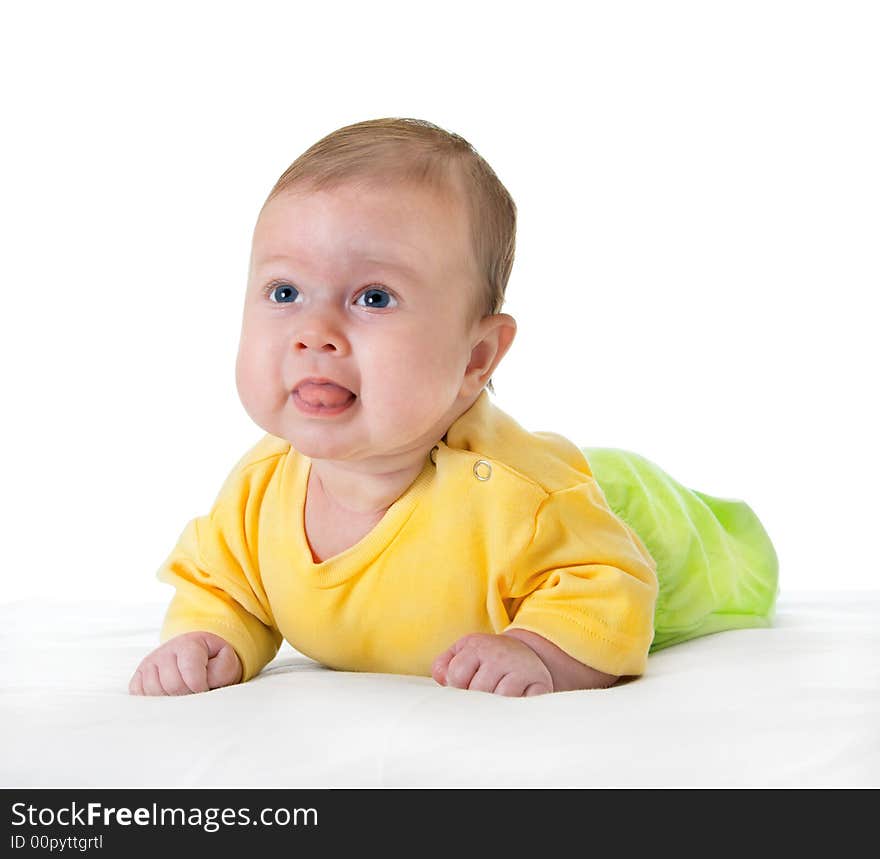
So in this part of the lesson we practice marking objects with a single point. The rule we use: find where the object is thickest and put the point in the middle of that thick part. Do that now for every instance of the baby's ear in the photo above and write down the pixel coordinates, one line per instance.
(496, 334)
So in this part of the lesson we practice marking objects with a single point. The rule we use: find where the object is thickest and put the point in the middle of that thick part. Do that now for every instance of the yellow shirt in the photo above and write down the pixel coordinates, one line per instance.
(532, 546)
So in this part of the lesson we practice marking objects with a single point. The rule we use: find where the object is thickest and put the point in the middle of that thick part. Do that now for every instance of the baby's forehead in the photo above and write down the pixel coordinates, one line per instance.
(406, 226)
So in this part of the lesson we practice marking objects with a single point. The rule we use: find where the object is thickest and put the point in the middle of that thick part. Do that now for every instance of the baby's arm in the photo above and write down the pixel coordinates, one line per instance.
(190, 662)
(567, 673)
(584, 579)
(219, 628)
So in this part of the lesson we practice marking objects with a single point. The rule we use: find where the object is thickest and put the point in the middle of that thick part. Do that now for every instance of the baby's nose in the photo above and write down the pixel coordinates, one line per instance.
(320, 335)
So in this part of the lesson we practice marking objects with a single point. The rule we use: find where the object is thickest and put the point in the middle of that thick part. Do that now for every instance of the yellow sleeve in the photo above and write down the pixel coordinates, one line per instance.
(586, 582)
(218, 584)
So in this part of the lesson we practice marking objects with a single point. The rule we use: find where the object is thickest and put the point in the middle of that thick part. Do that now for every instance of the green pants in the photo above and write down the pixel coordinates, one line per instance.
(716, 566)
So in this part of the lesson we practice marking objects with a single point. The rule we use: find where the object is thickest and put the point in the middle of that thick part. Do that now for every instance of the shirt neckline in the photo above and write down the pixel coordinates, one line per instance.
(355, 558)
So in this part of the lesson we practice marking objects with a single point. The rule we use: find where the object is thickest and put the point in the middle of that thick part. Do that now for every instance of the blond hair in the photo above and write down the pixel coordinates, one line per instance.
(417, 151)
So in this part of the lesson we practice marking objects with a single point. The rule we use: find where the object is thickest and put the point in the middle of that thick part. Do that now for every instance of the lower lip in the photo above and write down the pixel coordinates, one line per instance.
(321, 411)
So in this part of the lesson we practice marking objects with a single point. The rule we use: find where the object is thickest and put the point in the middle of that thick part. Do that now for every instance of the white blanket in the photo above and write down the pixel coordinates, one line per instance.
(795, 705)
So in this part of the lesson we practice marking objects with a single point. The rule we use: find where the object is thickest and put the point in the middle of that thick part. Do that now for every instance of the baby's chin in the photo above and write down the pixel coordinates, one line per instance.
(389, 456)
(350, 435)
(319, 438)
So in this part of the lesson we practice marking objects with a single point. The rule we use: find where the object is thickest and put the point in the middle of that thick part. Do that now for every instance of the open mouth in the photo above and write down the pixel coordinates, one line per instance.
(323, 399)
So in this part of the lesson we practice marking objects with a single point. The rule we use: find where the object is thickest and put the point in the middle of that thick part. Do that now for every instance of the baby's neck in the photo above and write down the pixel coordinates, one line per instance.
(359, 494)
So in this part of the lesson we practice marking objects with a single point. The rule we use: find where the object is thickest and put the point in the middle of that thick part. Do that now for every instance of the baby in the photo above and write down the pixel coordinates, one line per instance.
(393, 518)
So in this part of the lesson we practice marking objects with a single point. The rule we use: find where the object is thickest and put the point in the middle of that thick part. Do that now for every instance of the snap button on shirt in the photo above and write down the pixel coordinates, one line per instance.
(482, 474)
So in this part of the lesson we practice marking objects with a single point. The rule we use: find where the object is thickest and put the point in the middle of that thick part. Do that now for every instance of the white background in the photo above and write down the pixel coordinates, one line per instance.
(697, 254)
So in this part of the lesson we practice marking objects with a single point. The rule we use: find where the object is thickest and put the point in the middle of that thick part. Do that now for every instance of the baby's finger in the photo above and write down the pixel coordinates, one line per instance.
(169, 674)
(462, 668)
(511, 685)
(224, 669)
(486, 678)
(192, 661)
(136, 684)
(440, 666)
(539, 688)
(150, 678)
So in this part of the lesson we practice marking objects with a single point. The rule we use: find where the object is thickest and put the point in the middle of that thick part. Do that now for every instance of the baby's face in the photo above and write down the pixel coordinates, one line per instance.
(373, 288)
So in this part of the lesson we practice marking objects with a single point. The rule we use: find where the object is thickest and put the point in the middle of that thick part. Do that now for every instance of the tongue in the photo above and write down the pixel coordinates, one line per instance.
(324, 395)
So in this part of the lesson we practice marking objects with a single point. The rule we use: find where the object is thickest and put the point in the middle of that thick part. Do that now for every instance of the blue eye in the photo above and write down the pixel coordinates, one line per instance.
(373, 295)
(280, 287)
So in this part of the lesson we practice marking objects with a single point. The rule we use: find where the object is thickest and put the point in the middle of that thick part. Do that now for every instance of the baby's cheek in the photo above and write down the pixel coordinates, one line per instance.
(246, 377)
(258, 382)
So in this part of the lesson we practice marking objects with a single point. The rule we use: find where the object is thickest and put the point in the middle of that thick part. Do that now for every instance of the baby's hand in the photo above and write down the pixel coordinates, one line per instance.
(493, 663)
(191, 662)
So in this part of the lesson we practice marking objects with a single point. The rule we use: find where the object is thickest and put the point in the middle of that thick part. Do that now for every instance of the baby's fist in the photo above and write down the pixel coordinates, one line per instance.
(191, 662)
(493, 663)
